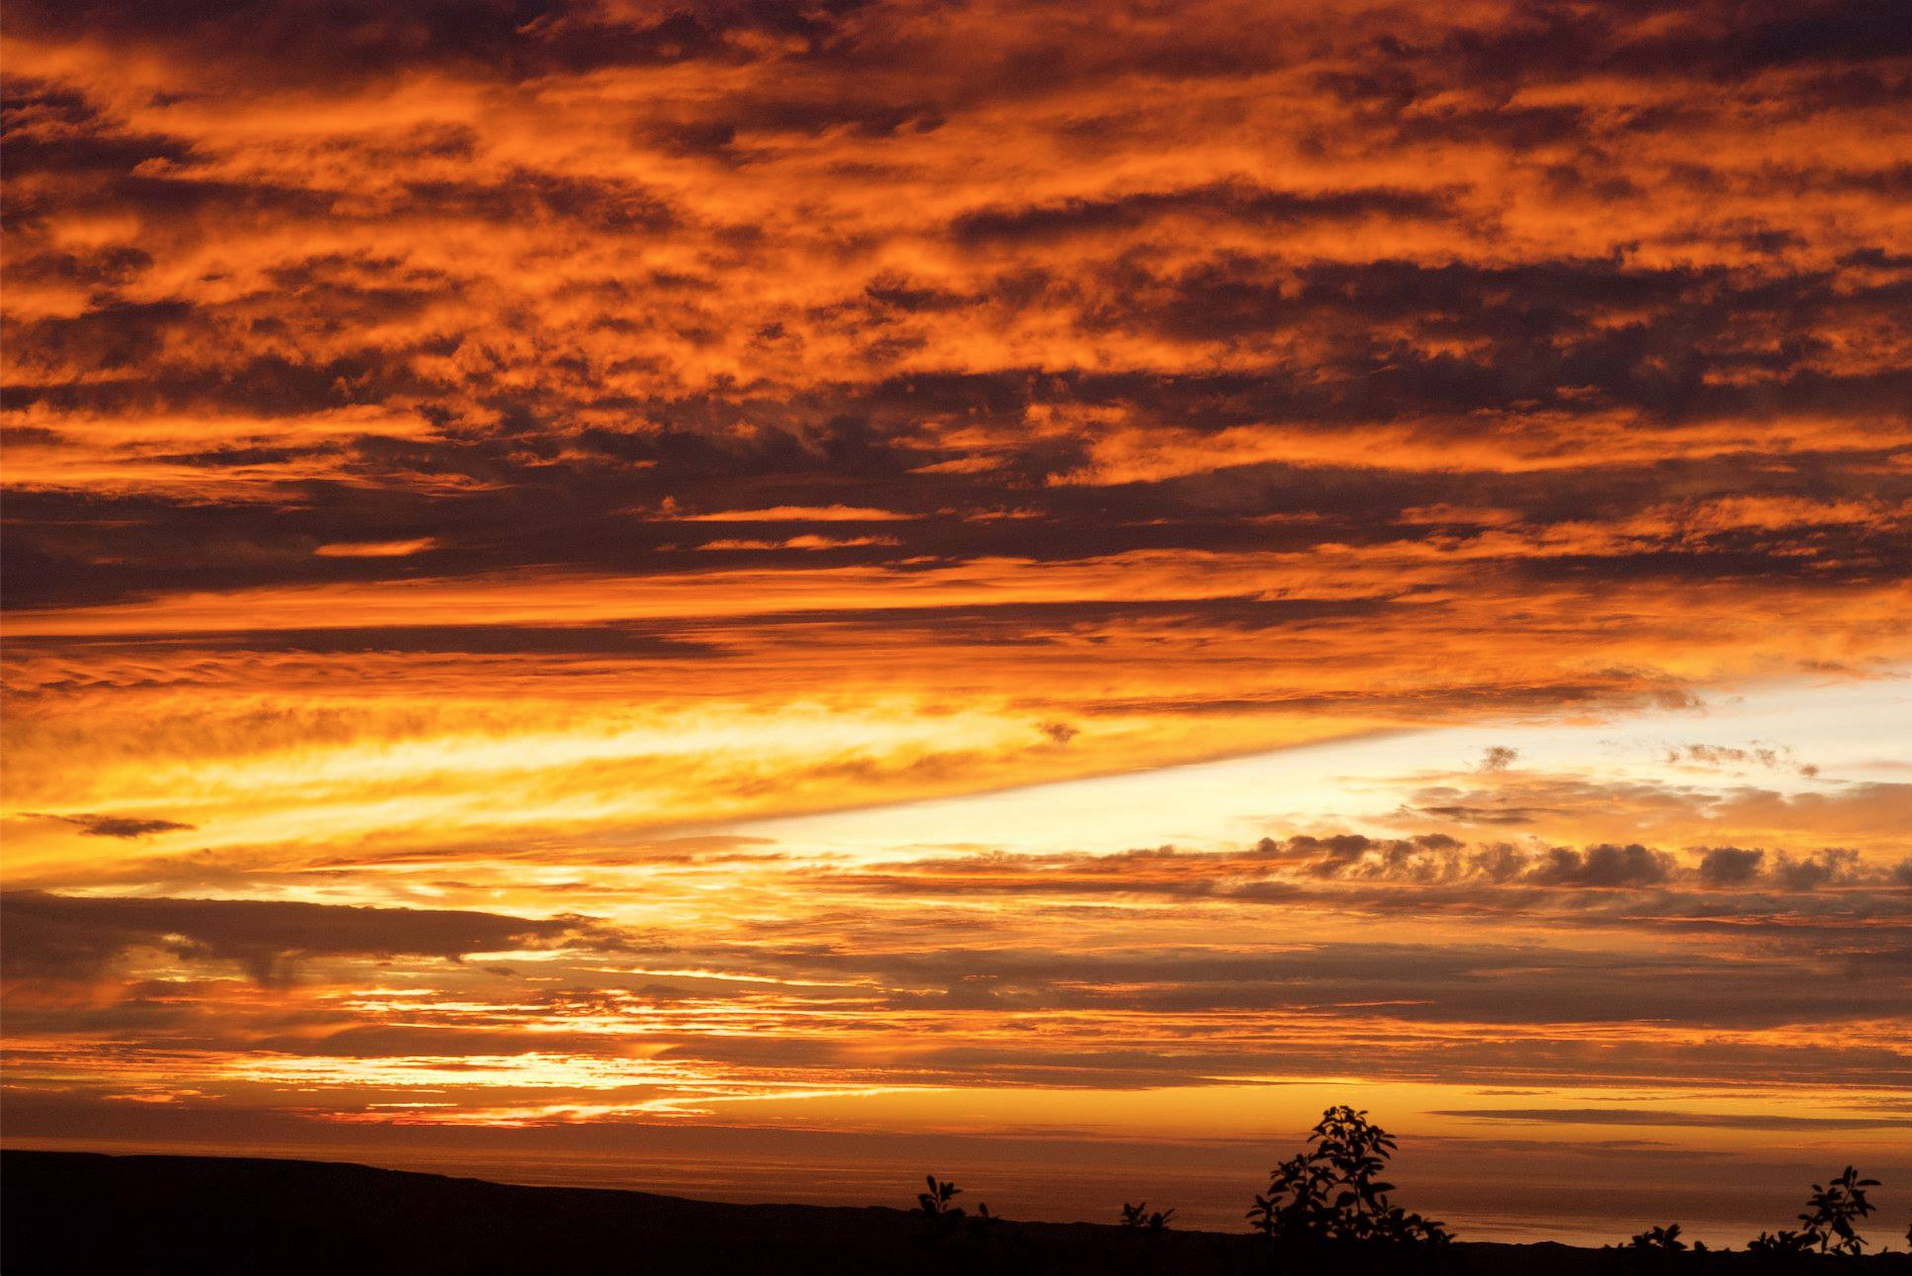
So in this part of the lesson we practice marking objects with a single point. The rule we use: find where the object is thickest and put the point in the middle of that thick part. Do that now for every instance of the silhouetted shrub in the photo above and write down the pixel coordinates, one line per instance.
(1835, 1209)
(936, 1202)
(1139, 1216)
(1830, 1220)
(1332, 1193)
(942, 1217)
(948, 1229)
(1659, 1238)
(1778, 1243)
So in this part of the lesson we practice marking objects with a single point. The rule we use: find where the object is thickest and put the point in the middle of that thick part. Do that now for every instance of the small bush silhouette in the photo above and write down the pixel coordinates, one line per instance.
(1331, 1191)
(1139, 1216)
(1830, 1220)
(936, 1202)
(1834, 1210)
(1780, 1242)
(977, 1241)
(1660, 1238)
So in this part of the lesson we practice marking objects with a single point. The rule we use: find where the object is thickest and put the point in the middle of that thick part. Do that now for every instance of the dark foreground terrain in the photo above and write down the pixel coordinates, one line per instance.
(81, 1212)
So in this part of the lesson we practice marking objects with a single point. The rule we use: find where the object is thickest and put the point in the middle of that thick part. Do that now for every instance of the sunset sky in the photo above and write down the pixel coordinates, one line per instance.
(757, 598)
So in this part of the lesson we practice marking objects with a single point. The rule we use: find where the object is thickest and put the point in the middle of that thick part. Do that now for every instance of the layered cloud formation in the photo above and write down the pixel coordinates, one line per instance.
(461, 454)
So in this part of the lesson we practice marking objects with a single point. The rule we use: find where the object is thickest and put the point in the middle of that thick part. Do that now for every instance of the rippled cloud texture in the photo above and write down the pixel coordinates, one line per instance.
(466, 462)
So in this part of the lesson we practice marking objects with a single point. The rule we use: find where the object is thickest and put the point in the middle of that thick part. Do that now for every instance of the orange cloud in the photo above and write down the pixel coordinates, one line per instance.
(449, 450)
(377, 549)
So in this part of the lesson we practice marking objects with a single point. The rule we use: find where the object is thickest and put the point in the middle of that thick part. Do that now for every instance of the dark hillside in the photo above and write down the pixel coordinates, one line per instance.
(83, 1213)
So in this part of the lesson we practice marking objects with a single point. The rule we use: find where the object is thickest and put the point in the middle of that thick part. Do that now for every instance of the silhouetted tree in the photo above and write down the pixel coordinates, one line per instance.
(1835, 1209)
(1332, 1191)
(1830, 1219)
